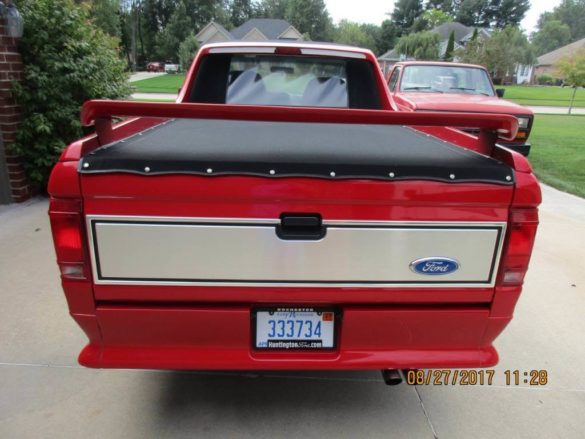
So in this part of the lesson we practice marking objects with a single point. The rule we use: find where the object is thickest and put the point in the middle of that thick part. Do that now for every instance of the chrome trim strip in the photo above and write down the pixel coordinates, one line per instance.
(238, 220)
(501, 226)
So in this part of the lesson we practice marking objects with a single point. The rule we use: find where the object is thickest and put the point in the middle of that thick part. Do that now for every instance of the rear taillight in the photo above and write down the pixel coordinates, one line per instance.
(521, 233)
(66, 224)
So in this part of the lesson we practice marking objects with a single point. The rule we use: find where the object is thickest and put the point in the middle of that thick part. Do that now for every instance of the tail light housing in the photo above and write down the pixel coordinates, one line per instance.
(67, 228)
(522, 227)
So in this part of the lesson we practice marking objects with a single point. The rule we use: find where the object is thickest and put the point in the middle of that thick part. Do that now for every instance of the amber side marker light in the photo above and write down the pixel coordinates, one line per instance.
(521, 135)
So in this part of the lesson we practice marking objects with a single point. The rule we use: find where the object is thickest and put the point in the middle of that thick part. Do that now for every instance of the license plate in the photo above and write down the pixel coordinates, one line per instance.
(295, 328)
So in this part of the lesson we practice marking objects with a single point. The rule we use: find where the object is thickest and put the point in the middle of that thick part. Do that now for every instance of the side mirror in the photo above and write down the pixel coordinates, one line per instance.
(500, 92)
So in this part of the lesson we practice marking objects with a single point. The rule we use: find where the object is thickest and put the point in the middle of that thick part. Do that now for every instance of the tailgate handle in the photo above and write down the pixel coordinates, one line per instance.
(301, 226)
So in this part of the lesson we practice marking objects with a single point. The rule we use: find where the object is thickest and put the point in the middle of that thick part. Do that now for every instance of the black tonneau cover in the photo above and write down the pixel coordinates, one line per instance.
(287, 149)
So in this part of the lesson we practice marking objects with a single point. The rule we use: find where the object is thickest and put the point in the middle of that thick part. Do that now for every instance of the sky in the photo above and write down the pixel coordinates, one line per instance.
(374, 11)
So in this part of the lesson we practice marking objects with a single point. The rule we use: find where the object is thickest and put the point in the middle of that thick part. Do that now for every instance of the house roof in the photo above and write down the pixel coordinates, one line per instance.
(223, 30)
(552, 57)
(219, 28)
(391, 55)
(445, 29)
(272, 28)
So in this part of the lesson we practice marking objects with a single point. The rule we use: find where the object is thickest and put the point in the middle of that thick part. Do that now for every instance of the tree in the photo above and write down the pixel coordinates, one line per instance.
(373, 32)
(348, 32)
(501, 53)
(450, 47)
(551, 36)
(507, 12)
(67, 61)
(419, 45)
(150, 17)
(569, 12)
(273, 8)
(405, 13)
(446, 6)
(388, 36)
(436, 17)
(474, 13)
(240, 11)
(201, 12)
(187, 50)
(310, 17)
(176, 31)
(131, 27)
(430, 19)
(572, 69)
(105, 14)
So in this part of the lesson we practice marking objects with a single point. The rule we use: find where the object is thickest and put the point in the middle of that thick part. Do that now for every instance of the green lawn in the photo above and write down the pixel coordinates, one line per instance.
(525, 95)
(160, 84)
(544, 95)
(558, 151)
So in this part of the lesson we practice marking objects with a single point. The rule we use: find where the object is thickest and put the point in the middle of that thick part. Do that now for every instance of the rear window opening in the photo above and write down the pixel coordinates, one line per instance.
(285, 80)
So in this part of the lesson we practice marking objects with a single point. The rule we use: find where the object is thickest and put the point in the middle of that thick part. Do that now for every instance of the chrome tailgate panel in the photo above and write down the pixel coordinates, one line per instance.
(228, 251)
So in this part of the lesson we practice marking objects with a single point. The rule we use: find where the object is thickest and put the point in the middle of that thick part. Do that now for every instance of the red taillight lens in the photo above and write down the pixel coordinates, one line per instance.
(522, 231)
(66, 225)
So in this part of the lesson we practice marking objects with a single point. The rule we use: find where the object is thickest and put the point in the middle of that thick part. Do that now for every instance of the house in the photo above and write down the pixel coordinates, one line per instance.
(256, 29)
(545, 64)
(463, 34)
(388, 59)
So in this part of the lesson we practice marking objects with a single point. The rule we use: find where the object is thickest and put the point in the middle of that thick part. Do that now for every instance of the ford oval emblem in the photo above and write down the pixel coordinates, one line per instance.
(434, 266)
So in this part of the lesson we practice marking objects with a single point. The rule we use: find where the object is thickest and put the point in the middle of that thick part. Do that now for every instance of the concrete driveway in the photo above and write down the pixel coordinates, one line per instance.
(45, 394)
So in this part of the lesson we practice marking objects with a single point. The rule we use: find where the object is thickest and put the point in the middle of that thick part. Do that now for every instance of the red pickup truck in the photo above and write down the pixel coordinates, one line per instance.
(447, 86)
(281, 215)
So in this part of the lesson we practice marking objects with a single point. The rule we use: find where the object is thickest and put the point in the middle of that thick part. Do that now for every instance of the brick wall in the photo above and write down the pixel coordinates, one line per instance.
(11, 69)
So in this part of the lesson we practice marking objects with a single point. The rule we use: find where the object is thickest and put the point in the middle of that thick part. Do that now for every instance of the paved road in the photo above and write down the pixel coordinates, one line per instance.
(45, 394)
(138, 76)
(155, 96)
(556, 110)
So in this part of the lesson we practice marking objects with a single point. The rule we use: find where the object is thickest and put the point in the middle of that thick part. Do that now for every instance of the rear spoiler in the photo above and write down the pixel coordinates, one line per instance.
(492, 126)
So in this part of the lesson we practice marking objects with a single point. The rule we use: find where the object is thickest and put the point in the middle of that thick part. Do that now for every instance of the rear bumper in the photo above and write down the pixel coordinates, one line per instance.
(220, 337)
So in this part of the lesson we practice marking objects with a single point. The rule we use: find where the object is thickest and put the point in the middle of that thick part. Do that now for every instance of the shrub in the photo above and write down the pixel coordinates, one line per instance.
(544, 80)
(67, 61)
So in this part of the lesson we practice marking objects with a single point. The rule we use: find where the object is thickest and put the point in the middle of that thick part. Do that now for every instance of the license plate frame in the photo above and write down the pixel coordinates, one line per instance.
(288, 344)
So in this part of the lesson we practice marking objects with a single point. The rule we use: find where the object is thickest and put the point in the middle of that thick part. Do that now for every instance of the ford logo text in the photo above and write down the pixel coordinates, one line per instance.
(434, 266)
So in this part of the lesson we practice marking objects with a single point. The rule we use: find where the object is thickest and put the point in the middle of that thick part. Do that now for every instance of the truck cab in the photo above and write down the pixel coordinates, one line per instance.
(299, 74)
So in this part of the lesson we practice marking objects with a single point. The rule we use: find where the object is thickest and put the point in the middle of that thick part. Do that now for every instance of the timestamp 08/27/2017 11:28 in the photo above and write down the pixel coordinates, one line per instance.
(470, 377)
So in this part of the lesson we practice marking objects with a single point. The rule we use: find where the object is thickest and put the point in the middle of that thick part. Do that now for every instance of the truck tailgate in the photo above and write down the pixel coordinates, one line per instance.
(195, 205)
(191, 233)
